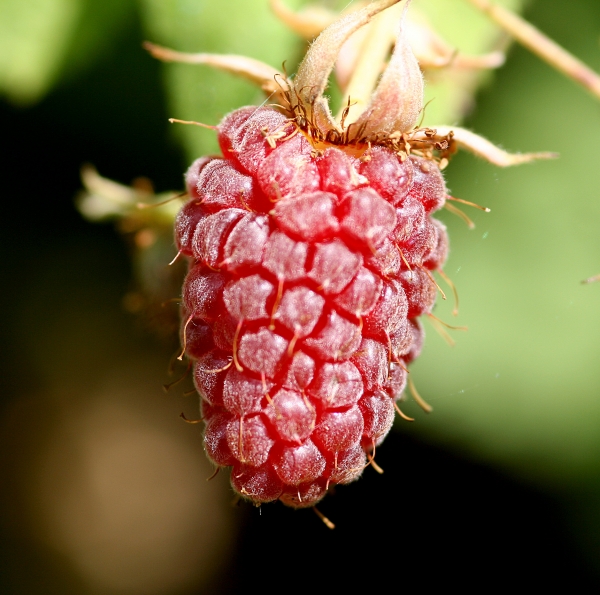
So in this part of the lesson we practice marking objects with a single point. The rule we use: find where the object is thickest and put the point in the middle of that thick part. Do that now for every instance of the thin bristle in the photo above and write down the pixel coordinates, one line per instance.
(456, 211)
(401, 414)
(192, 123)
(469, 203)
(449, 281)
(418, 398)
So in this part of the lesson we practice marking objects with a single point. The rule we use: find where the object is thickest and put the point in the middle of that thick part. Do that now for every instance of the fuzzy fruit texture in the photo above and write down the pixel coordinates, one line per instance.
(310, 246)
(308, 274)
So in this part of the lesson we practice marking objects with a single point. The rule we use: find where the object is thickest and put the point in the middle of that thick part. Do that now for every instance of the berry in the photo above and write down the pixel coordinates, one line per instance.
(299, 331)
(310, 256)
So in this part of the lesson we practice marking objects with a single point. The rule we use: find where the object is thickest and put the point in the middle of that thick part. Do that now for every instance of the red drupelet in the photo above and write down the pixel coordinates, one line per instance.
(308, 270)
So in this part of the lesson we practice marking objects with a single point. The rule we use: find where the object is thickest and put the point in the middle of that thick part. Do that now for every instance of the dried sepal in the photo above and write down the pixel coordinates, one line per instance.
(393, 108)
(313, 74)
(430, 49)
(434, 52)
(485, 149)
(362, 60)
(397, 102)
(308, 23)
(593, 279)
(104, 199)
(269, 79)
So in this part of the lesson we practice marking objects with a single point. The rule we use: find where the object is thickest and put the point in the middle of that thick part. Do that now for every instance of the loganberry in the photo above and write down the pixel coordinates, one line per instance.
(308, 258)
(311, 248)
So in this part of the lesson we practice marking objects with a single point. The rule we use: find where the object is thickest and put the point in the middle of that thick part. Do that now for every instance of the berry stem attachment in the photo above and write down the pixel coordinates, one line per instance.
(267, 77)
(313, 74)
(486, 150)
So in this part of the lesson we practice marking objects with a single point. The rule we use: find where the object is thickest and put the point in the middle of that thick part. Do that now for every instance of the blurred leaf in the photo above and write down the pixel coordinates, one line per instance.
(99, 25)
(198, 92)
(521, 387)
(451, 92)
(33, 41)
(42, 39)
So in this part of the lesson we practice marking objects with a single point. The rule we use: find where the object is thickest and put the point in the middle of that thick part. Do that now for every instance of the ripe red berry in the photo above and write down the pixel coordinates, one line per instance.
(305, 267)
(310, 253)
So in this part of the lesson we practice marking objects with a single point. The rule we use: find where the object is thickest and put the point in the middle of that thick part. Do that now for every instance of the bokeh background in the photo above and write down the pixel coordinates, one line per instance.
(103, 487)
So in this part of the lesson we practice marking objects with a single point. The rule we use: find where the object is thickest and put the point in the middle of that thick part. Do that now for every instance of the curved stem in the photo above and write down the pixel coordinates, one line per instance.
(548, 50)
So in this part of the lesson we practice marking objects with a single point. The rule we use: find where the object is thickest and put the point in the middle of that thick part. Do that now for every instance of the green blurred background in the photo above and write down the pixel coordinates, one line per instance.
(103, 486)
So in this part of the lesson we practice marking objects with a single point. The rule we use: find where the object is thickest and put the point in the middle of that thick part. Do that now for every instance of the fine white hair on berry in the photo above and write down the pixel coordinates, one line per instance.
(306, 305)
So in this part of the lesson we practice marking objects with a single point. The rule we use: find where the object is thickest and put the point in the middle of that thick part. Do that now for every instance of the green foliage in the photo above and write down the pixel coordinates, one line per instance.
(45, 41)
(450, 95)
(42, 41)
(520, 388)
(198, 92)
